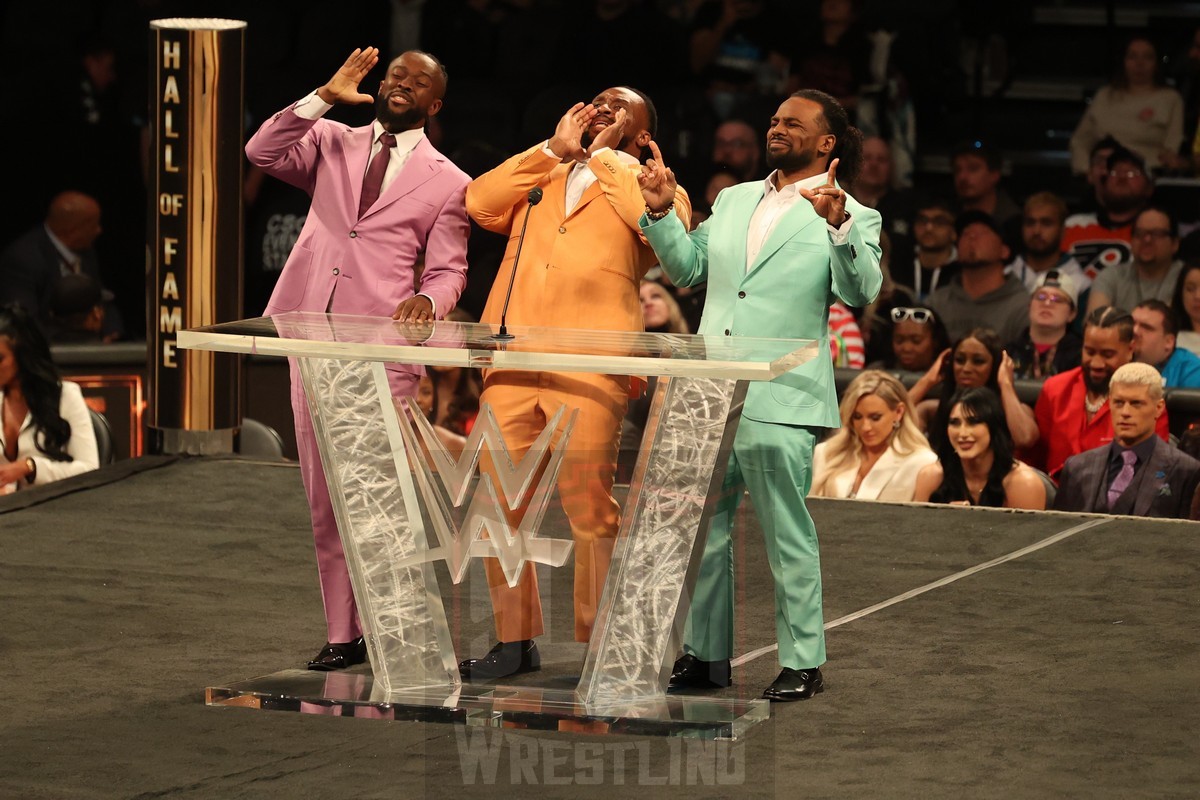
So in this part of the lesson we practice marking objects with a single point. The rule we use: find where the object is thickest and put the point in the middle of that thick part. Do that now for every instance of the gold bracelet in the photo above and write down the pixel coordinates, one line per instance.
(655, 216)
(32, 475)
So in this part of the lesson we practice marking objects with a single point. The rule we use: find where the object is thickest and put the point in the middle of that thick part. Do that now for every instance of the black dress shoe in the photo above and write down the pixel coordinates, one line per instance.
(690, 672)
(795, 684)
(506, 658)
(336, 655)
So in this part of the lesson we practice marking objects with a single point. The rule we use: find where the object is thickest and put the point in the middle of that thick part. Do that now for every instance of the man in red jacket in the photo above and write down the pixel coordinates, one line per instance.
(1072, 409)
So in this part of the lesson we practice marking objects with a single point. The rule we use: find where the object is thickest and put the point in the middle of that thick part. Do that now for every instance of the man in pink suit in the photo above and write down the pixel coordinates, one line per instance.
(370, 224)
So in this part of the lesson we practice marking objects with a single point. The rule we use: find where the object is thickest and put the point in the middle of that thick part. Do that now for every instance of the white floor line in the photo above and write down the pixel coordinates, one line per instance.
(900, 598)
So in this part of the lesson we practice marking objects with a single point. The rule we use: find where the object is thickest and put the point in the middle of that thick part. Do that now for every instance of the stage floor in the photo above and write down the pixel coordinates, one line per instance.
(972, 653)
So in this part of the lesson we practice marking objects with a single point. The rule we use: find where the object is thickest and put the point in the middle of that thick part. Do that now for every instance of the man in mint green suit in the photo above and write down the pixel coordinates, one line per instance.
(774, 254)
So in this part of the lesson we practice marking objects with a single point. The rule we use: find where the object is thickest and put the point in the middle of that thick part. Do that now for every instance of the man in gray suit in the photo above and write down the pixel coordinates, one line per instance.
(1138, 473)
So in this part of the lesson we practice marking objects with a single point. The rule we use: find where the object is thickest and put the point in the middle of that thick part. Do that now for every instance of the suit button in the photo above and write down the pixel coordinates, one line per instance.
(727, 332)
(353, 234)
(337, 271)
(562, 229)
(742, 295)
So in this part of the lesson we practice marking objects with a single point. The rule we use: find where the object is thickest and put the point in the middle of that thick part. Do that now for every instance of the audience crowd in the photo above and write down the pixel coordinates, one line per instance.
(1089, 282)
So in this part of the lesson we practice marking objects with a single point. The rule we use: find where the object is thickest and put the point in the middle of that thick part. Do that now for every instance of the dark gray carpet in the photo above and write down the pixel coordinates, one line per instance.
(1071, 671)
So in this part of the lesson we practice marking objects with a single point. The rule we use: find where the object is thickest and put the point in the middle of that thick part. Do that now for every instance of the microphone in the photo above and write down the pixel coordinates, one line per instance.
(535, 197)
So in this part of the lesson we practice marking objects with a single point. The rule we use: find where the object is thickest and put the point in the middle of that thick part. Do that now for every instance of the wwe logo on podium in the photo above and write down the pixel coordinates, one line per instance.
(458, 544)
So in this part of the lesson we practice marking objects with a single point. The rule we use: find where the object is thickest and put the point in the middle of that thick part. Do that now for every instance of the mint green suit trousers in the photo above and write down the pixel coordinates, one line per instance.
(773, 462)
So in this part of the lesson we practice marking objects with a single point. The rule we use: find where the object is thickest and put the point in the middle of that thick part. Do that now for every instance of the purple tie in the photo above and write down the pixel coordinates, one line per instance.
(1124, 477)
(373, 182)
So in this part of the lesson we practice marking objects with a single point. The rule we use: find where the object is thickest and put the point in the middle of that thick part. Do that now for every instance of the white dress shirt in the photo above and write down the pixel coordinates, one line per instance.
(777, 202)
(581, 177)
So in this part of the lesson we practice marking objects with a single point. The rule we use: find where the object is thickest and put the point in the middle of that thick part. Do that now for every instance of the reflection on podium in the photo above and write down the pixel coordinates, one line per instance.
(399, 500)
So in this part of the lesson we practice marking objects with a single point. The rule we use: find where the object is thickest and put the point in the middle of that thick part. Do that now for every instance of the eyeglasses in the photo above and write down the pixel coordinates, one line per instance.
(1156, 234)
(918, 315)
(1052, 299)
(1129, 174)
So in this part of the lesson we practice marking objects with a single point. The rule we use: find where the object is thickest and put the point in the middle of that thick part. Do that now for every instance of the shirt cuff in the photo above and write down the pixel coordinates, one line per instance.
(311, 107)
(432, 303)
(840, 235)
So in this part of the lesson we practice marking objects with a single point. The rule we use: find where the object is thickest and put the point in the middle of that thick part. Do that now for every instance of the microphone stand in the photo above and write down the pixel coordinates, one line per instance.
(535, 197)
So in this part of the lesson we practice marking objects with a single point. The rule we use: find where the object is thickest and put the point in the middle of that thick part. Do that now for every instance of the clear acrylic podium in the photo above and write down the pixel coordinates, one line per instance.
(398, 498)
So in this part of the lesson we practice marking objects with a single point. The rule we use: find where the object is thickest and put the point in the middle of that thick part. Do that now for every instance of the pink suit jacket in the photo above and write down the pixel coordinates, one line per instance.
(364, 266)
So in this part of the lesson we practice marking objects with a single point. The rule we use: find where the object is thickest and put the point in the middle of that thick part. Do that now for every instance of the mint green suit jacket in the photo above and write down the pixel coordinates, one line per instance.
(786, 293)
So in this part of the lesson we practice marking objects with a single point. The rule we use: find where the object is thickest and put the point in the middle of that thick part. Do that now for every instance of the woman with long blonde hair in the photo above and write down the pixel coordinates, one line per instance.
(879, 449)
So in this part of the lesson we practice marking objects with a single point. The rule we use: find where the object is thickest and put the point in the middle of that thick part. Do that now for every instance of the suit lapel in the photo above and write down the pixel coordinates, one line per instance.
(420, 167)
(794, 220)
(589, 194)
(1095, 475)
(357, 142)
(738, 222)
(1146, 484)
(554, 190)
(880, 475)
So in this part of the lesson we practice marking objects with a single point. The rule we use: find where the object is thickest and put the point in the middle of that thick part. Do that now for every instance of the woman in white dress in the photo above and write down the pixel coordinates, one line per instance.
(879, 449)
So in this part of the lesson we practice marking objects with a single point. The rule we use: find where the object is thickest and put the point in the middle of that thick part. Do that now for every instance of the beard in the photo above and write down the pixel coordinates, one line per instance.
(1094, 386)
(1042, 251)
(405, 120)
(791, 160)
(1122, 204)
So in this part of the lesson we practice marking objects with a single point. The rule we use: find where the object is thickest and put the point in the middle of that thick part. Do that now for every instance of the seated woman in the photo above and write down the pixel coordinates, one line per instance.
(660, 314)
(1136, 108)
(877, 452)
(47, 432)
(1186, 305)
(915, 339)
(975, 464)
(978, 360)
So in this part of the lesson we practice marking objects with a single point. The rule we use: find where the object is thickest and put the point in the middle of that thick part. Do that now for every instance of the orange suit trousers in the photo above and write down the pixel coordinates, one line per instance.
(523, 402)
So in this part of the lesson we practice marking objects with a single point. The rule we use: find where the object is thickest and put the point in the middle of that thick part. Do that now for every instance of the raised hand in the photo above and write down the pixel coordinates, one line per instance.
(828, 200)
(1006, 374)
(611, 136)
(565, 143)
(343, 86)
(657, 181)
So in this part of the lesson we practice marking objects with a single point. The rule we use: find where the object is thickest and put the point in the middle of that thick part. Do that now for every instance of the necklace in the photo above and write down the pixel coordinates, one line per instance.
(1091, 407)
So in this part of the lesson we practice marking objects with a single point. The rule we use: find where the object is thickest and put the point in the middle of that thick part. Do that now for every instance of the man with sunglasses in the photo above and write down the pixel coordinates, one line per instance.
(1048, 346)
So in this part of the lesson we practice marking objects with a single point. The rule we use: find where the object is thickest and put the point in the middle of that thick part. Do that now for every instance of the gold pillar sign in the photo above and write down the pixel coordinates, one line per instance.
(195, 229)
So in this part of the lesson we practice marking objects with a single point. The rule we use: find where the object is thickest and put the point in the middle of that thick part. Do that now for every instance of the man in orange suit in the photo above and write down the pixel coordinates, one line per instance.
(582, 261)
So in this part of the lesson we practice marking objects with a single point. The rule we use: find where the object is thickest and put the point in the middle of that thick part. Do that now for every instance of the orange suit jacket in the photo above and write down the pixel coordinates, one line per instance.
(577, 270)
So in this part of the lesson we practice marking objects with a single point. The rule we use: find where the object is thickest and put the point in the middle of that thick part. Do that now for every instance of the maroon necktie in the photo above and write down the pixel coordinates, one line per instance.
(373, 183)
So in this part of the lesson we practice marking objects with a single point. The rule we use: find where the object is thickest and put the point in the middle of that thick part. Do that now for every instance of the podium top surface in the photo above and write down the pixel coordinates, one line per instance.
(467, 344)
